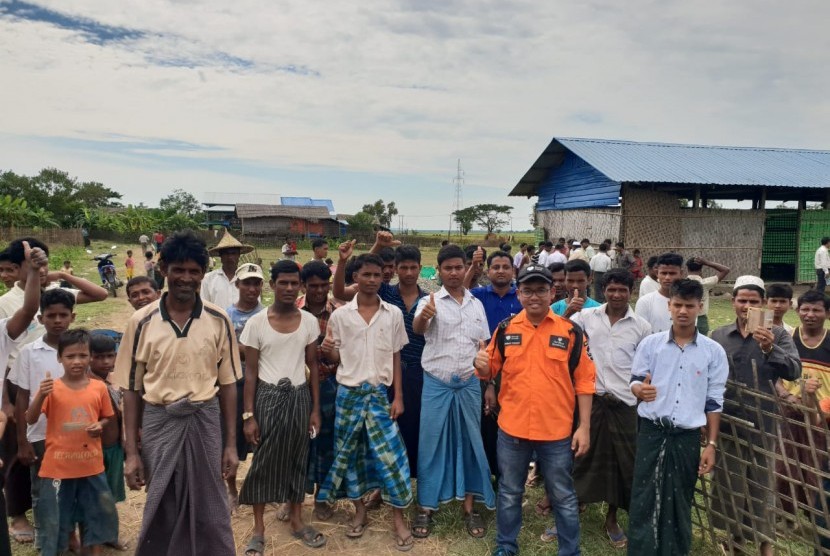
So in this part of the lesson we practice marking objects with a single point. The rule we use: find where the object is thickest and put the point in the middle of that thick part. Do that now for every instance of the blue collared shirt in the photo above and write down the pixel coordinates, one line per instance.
(497, 308)
(560, 306)
(690, 381)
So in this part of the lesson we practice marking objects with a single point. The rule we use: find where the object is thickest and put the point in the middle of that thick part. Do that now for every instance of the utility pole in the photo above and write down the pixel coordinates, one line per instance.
(458, 181)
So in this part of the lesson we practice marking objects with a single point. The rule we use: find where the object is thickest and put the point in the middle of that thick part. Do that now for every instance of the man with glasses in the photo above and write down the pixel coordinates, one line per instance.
(546, 372)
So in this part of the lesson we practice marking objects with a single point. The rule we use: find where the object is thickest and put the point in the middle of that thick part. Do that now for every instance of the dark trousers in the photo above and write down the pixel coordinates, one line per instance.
(821, 280)
(490, 434)
(5, 543)
(18, 484)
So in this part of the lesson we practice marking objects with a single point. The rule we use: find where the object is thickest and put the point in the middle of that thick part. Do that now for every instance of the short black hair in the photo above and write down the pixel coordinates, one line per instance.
(319, 242)
(138, 280)
(387, 255)
(407, 253)
(578, 265)
(558, 246)
(506, 247)
(556, 267)
(101, 343)
(315, 269)
(523, 244)
(620, 244)
(284, 266)
(184, 246)
(814, 296)
(470, 250)
(350, 271)
(366, 259)
(693, 265)
(496, 255)
(148, 255)
(6, 257)
(604, 246)
(825, 240)
(73, 337)
(451, 252)
(618, 276)
(548, 244)
(687, 288)
(670, 259)
(636, 252)
(652, 261)
(57, 296)
(16, 251)
(585, 240)
(784, 291)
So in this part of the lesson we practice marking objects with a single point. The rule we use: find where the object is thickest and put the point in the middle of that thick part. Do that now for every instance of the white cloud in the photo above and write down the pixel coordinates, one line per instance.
(395, 92)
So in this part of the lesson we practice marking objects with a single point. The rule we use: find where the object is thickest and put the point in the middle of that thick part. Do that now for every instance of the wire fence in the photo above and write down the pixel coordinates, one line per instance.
(771, 481)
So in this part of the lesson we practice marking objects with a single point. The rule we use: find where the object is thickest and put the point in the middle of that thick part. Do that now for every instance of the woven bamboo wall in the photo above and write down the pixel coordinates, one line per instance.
(595, 224)
(654, 223)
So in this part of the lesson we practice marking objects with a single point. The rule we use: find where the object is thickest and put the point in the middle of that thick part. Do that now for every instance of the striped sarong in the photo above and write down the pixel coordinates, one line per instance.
(186, 512)
(606, 472)
(665, 473)
(451, 458)
(369, 452)
(278, 469)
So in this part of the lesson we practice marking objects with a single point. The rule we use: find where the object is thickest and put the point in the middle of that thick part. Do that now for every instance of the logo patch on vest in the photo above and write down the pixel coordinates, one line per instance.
(512, 339)
(560, 342)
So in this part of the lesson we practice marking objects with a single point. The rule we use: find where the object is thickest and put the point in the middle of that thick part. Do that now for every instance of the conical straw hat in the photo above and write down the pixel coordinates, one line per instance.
(230, 242)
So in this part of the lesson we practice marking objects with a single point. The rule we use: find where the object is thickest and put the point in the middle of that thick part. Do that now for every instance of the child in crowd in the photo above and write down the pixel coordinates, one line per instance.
(73, 486)
(102, 362)
(130, 264)
(637, 265)
(8, 270)
(35, 361)
(779, 301)
(141, 291)
(67, 267)
(149, 266)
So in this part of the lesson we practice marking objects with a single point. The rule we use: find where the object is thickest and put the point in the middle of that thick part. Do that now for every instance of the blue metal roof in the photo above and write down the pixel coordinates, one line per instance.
(628, 161)
(307, 202)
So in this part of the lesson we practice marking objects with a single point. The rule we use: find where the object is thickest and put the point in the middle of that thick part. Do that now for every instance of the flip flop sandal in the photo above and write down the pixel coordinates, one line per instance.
(473, 522)
(542, 509)
(618, 540)
(356, 531)
(255, 546)
(423, 521)
(310, 536)
(550, 534)
(404, 545)
(323, 512)
(119, 545)
(22, 537)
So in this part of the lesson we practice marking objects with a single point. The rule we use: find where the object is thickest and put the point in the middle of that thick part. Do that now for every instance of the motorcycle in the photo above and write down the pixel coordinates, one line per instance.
(106, 270)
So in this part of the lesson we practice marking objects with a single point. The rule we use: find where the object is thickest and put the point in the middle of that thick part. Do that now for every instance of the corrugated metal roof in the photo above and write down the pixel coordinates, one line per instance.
(307, 202)
(629, 161)
(246, 210)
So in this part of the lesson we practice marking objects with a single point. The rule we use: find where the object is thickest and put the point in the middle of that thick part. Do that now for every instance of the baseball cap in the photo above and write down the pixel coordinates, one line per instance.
(576, 244)
(747, 280)
(535, 271)
(248, 270)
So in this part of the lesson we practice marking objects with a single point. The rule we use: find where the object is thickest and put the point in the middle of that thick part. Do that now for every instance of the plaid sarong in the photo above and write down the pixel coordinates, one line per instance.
(368, 450)
(186, 512)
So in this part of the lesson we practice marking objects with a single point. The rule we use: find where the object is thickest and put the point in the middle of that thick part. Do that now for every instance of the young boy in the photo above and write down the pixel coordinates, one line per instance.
(282, 408)
(141, 291)
(679, 376)
(102, 362)
(67, 268)
(33, 363)
(779, 301)
(365, 337)
(130, 264)
(149, 265)
(8, 270)
(73, 486)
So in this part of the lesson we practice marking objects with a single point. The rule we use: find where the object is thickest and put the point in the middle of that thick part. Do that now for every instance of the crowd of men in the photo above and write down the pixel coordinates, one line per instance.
(357, 384)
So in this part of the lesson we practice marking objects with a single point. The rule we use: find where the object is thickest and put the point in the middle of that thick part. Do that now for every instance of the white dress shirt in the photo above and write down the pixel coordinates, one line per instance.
(612, 348)
(28, 371)
(822, 259)
(366, 350)
(452, 335)
(654, 308)
(217, 289)
(557, 257)
(600, 262)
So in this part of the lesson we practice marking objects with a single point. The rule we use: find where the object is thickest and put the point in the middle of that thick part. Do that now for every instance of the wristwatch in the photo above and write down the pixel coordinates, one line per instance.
(247, 415)
(713, 444)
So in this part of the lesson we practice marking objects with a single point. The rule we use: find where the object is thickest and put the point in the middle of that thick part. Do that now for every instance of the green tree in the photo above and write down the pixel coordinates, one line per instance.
(360, 222)
(465, 218)
(492, 217)
(381, 213)
(181, 202)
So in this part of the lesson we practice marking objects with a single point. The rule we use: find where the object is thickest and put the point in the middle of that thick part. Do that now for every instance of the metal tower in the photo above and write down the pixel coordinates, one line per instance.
(458, 181)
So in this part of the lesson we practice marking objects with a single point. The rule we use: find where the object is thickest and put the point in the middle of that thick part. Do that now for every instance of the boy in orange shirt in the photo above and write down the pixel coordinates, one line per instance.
(73, 485)
(130, 264)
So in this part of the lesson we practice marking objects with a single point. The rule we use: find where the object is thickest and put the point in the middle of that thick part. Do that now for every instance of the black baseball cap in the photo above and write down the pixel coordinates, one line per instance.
(535, 272)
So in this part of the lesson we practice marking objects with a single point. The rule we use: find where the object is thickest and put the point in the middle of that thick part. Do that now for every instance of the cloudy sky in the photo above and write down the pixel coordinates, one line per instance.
(356, 101)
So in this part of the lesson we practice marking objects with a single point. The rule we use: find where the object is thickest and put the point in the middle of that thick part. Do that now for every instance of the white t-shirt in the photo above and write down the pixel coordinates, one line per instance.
(600, 262)
(217, 289)
(28, 371)
(11, 302)
(557, 257)
(654, 307)
(7, 345)
(280, 355)
(648, 285)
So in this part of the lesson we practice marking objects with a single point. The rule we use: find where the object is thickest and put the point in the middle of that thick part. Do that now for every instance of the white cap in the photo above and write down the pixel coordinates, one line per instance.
(748, 280)
(248, 270)
(576, 244)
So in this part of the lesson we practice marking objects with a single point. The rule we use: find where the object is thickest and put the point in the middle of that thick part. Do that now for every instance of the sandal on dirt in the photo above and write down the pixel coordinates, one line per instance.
(372, 501)
(618, 540)
(543, 509)
(356, 531)
(310, 536)
(22, 537)
(119, 545)
(323, 512)
(550, 534)
(404, 545)
(255, 546)
(422, 525)
(283, 513)
(473, 522)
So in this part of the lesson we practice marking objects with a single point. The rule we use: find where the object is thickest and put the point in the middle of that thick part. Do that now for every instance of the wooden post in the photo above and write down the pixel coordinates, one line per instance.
(762, 203)
(697, 197)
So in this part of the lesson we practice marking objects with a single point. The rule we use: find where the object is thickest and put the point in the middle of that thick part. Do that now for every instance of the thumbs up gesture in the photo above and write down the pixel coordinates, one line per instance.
(429, 309)
(46, 385)
(482, 360)
(346, 249)
(478, 257)
(646, 391)
(328, 347)
(35, 256)
(386, 239)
